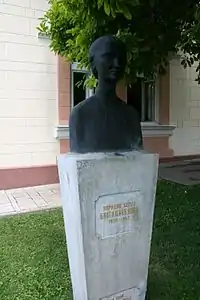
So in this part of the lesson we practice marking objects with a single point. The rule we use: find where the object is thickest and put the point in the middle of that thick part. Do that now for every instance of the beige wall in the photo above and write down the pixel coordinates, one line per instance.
(28, 87)
(184, 109)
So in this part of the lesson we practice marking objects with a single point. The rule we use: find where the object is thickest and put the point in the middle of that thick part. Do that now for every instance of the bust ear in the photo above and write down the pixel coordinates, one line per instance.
(93, 65)
(94, 70)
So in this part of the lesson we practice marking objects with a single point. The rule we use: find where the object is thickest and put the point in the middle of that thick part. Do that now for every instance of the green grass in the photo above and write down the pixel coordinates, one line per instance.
(175, 254)
(33, 255)
(33, 258)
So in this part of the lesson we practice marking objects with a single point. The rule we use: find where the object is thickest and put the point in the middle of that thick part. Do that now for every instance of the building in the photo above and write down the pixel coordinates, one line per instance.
(38, 89)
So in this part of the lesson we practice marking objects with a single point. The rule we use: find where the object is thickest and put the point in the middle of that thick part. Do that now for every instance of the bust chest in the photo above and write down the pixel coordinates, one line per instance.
(97, 126)
(106, 126)
(105, 119)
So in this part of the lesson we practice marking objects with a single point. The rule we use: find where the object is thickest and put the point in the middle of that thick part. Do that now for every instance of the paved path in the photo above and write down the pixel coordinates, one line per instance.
(29, 199)
(184, 172)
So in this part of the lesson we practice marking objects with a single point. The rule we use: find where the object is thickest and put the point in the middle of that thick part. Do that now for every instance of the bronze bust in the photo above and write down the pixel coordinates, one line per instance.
(103, 122)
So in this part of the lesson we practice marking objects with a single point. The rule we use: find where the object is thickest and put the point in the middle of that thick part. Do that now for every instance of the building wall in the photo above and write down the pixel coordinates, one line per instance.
(28, 88)
(184, 110)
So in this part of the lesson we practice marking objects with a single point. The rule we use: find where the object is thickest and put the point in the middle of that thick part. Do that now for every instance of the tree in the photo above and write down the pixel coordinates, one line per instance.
(151, 30)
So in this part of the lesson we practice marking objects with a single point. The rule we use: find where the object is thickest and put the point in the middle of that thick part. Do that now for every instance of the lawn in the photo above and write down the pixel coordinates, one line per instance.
(33, 258)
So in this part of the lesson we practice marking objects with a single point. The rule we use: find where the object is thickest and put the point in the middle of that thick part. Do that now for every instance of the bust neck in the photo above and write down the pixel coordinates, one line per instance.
(106, 90)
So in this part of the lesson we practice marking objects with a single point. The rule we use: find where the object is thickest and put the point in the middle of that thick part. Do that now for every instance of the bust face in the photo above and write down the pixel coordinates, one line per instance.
(109, 59)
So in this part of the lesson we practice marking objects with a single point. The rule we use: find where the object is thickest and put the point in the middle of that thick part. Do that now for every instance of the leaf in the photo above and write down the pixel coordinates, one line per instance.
(113, 13)
(99, 3)
(127, 13)
(91, 81)
(79, 39)
(106, 8)
(124, 10)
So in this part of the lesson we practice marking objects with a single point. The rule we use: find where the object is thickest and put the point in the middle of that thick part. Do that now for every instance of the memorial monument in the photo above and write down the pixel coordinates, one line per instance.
(108, 186)
(104, 122)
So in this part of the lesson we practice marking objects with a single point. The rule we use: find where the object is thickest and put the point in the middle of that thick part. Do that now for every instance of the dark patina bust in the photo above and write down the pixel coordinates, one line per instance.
(103, 122)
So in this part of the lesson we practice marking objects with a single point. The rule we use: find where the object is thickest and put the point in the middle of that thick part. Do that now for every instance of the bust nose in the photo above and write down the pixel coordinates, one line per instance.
(116, 63)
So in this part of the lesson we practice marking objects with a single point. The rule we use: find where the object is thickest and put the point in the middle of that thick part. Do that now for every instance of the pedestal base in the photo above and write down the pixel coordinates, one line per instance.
(108, 205)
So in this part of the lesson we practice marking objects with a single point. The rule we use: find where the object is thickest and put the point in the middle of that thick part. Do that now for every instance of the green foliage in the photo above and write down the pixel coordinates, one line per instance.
(150, 29)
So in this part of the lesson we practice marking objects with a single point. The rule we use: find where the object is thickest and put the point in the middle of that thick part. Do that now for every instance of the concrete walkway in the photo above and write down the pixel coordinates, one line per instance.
(29, 199)
(184, 172)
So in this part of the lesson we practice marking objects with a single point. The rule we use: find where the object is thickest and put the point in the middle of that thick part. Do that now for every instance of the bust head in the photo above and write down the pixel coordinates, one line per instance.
(107, 56)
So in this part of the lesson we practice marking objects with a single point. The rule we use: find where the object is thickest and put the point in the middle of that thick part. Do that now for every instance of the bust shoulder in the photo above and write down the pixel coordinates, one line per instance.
(130, 109)
(78, 111)
(80, 106)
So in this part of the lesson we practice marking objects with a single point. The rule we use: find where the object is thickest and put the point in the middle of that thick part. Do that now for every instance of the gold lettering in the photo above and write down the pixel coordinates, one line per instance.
(128, 204)
(104, 215)
(124, 212)
(118, 212)
(132, 210)
(105, 208)
(101, 216)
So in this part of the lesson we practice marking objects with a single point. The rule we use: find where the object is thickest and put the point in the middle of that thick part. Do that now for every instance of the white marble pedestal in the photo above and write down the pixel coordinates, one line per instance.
(108, 206)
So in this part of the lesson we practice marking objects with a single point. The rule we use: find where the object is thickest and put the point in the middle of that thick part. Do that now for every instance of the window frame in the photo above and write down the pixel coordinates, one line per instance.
(154, 120)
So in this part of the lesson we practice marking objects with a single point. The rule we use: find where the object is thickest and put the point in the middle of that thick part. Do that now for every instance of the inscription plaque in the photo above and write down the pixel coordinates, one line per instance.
(117, 213)
(129, 294)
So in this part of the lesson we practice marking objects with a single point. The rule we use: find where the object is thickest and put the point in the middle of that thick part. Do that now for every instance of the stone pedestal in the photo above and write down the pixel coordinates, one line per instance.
(108, 206)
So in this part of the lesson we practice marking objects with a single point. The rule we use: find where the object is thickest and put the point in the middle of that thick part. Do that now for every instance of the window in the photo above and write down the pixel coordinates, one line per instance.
(141, 95)
(78, 91)
(78, 88)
